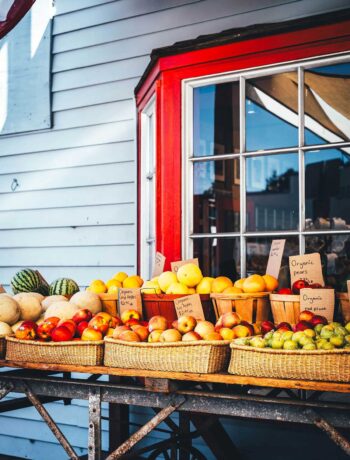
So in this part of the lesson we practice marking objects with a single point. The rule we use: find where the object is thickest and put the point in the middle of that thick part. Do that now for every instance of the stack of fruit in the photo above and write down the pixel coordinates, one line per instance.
(312, 332)
(119, 280)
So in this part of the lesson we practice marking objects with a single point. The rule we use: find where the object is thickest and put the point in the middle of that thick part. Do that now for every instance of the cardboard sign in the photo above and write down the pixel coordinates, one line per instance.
(307, 267)
(190, 305)
(176, 265)
(275, 257)
(159, 263)
(319, 301)
(129, 299)
(2, 289)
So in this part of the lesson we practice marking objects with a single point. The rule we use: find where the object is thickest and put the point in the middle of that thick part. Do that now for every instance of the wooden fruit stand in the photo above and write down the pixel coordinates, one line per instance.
(216, 395)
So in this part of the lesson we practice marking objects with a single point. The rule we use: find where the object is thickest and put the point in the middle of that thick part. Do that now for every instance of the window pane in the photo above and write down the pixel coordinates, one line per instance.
(216, 119)
(216, 196)
(327, 104)
(258, 250)
(272, 112)
(327, 189)
(335, 257)
(272, 192)
(218, 256)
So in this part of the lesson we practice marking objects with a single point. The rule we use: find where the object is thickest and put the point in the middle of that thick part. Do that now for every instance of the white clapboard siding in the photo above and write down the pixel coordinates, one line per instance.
(68, 197)
(68, 138)
(67, 6)
(114, 152)
(116, 11)
(68, 236)
(92, 95)
(111, 173)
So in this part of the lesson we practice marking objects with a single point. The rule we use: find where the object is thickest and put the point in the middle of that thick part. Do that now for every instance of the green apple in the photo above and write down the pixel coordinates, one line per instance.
(304, 340)
(309, 346)
(347, 327)
(258, 342)
(287, 335)
(337, 340)
(340, 330)
(290, 345)
(320, 343)
(277, 335)
(242, 341)
(328, 346)
(318, 328)
(327, 332)
(268, 335)
(296, 336)
(310, 333)
(334, 324)
(277, 344)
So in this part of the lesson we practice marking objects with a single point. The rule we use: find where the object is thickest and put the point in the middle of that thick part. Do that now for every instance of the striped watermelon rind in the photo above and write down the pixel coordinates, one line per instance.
(29, 280)
(63, 286)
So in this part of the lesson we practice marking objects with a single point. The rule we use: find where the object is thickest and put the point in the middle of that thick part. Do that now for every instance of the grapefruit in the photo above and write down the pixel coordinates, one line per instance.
(204, 286)
(271, 283)
(189, 275)
(232, 290)
(166, 279)
(220, 284)
(254, 283)
(177, 288)
(120, 276)
(239, 283)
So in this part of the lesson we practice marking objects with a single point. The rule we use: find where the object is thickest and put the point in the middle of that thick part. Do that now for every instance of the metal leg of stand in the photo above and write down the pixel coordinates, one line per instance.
(94, 446)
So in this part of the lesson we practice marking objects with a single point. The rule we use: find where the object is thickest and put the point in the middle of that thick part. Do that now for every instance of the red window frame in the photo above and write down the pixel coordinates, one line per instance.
(165, 80)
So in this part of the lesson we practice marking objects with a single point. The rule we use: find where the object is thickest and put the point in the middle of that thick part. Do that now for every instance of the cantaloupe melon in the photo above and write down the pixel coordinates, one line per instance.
(9, 310)
(52, 299)
(5, 329)
(37, 295)
(87, 299)
(29, 305)
(63, 310)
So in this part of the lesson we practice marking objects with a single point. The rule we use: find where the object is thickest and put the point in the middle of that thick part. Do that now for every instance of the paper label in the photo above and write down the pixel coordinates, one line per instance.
(129, 299)
(319, 301)
(176, 265)
(2, 289)
(275, 257)
(307, 267)
(159, 263)
(190, 305)
(348, 284)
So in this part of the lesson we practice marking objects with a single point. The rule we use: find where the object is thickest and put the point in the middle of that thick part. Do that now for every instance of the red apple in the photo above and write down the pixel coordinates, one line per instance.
(157, 322)
(302, 325)
(226, 333)
(141, 331)
(230, 319)
(132, 322)
(218, 324)
(186, 324)
(82, 315)
(81, 327)
(99, 323)
(155, 336)
(45, 329)
(129, 336)
(285, 291)
(241, 330)
(213, 336)
(266, 326)
(61, 334)
(299, 284)
(191, 336)
(127, 315)
(26, 331)
(115, 321)
(318, 319)
(170, 335)
(315, 286)
(119, 329)
(306, 315)
(91, 334)
(285, 326)
(204, 327)
(69, 324)
(144, 323)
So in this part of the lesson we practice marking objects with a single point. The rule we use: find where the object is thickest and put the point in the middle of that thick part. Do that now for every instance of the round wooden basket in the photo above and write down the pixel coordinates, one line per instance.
(201, 356)
(85, 353)
(344, 305)
(250, 307)
(323, 365)
(163, 304)
(285, 308)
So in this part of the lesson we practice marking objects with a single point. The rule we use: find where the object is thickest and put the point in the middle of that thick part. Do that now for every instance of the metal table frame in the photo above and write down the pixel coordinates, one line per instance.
(189, 397)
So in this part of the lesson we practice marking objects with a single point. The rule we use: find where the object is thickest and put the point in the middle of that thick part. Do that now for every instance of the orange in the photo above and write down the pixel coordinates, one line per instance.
(254, 283)
(220, 284)
(189, 275)
(232, 290)
(239, 283)
(271, 283)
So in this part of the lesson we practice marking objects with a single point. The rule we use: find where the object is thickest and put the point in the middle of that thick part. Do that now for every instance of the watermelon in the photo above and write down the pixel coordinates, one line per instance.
(29, 280)
(63, 286)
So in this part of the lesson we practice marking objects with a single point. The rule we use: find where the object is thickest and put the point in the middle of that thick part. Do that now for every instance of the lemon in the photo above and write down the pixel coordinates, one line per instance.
(113, 282)
(120, 276)
(204, 286)
(166, 279)
(189, 274)
(97, 286)
(131, 282)
(177, 288)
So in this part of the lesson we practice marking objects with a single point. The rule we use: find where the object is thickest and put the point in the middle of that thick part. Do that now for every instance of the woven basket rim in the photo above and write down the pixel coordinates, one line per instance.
(289, 352)
(169, 344)
(243, 295)
(56, 344)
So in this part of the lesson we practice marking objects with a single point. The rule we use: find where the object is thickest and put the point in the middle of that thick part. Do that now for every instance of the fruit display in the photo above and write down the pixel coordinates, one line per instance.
(312, 332)
(63, 286)
(29, 280)
(87, 299)
(119, 280)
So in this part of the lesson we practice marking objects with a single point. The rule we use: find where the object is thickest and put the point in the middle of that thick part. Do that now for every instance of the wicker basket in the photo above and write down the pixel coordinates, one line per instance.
(163, 304)
(109, 303)
(2, 347)
(285, 308)
(203, 357)
(85, 353)
(250, 307)
(344, 304)
(324, 365)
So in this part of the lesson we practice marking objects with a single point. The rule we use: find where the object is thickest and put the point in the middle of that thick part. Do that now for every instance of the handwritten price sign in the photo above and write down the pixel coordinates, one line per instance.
(307, 267)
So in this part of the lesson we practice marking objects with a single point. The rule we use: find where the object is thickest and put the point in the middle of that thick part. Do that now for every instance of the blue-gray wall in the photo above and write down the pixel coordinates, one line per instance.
(73, 213)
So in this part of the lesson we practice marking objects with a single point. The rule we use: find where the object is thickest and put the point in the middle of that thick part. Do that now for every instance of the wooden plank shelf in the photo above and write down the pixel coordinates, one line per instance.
(224, 378)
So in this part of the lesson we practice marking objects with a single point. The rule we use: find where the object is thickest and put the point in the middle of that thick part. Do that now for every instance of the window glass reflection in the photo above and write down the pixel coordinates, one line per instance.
(216, 196)
(216, 119)
(327, 189)
(218, 256)
(272, 192)
(272, 112)
(258, 250)
(327, 104)
(335, 257)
